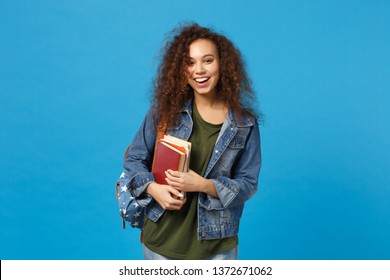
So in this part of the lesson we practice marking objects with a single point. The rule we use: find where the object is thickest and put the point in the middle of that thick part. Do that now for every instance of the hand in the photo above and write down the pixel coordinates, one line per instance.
(168, 197)
(190, 182)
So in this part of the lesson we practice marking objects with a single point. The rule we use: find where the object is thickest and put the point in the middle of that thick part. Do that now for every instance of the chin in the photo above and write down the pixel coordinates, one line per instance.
(203, 92)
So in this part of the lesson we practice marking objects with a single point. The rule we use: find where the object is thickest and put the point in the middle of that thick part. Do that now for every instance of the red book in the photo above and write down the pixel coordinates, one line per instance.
(166, 157)
(182, 145)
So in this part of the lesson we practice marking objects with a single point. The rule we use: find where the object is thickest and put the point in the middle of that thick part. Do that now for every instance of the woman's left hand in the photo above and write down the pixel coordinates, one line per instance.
(190, 182)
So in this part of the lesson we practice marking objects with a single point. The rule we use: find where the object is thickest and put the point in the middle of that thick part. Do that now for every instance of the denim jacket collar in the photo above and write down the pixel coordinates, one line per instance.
(231, 119)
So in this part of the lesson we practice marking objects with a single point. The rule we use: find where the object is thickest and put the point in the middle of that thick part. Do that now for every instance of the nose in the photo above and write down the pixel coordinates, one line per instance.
(199, 69)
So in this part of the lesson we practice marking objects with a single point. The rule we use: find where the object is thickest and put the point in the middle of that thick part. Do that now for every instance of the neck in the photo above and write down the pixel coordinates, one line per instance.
(207, 100)
(210, 108)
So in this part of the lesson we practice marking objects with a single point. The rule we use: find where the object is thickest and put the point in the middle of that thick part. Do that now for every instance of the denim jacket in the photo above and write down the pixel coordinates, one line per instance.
(234, 168)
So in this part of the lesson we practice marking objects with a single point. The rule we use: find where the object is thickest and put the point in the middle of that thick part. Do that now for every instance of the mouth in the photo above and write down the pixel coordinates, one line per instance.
(202, 81)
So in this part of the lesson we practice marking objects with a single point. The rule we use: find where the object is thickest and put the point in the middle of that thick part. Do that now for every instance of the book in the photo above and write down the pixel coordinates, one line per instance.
(170, 153)
(182, 145)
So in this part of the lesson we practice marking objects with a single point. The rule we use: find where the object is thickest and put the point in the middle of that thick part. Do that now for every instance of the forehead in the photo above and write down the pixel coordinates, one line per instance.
(202, 47)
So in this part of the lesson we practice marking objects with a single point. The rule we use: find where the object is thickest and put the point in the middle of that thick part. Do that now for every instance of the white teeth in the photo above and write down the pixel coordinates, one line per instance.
(201, 80)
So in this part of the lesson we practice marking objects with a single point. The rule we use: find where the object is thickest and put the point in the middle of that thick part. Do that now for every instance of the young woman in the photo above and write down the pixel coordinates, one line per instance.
(202, 95)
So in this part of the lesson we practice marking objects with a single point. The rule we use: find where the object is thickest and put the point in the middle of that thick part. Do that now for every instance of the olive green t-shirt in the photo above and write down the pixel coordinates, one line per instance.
(174, 235)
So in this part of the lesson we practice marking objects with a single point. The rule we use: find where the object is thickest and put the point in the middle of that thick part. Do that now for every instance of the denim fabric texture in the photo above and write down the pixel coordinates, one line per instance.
(233, 167)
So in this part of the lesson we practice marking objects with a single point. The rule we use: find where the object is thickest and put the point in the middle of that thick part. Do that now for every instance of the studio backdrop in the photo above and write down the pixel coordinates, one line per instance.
(75, 83)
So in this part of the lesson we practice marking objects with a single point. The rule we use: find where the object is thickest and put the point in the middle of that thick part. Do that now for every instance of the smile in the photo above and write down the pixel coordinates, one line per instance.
(201, 80)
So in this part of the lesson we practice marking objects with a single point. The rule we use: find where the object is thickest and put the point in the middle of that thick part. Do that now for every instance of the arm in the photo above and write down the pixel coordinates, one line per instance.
(190, 182)
(225, 191)
(138, 162)
(165, 196)
(242, 183)
(138, 158)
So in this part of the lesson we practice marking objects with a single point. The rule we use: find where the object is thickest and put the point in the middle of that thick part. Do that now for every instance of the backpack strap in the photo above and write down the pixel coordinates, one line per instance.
(117, 183)
(161, 129)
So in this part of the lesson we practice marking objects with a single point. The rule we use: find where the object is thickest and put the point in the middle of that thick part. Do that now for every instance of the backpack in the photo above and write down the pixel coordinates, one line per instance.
(129, 209)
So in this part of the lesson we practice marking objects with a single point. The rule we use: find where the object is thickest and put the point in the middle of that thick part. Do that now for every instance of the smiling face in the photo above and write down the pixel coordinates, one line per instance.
(203, 67)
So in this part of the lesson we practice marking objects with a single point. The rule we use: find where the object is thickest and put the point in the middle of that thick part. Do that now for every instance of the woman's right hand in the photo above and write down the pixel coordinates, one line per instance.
(168, 197)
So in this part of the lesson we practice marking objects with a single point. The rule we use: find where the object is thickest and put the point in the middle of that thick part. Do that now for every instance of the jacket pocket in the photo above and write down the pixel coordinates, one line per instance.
(237, 143)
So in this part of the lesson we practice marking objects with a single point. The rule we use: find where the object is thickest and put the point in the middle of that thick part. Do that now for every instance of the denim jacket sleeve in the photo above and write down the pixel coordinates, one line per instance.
(138, 159)
(237, 185)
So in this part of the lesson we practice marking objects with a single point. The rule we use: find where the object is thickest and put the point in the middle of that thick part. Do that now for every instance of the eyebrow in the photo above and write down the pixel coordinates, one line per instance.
(206, 55)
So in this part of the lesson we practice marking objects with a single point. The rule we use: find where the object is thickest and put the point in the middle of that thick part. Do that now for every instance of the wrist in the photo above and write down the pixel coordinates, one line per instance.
(149, 189)
(209, 188)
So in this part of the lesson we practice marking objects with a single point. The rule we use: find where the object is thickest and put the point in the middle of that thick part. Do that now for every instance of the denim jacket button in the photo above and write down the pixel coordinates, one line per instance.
(203, 234)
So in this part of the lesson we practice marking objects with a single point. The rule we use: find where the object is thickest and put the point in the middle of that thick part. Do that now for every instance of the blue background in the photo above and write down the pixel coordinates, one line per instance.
(75, 82)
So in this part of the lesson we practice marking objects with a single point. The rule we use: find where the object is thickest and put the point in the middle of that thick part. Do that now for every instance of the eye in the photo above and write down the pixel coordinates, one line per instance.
(208, 60)
(189, 61)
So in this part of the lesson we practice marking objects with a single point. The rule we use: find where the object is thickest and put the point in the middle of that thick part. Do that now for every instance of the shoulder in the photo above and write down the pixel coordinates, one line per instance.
(148, 122)
(242, 120)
